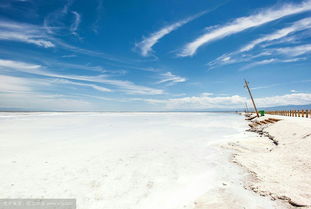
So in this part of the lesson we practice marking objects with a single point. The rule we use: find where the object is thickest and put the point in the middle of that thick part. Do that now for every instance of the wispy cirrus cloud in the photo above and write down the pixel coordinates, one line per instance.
(145, 46)
(284, 35)
(75, 25)
(171, 79)
(36, 69)
(295, 50)
(120, 85)
(39, 36)
(265, 87)
(235, 57)
(69, 55)
(270, 61)
(243, 23)
(96, 87)
(56, 22)
(18, 65)
(26, 33)
(295, 27)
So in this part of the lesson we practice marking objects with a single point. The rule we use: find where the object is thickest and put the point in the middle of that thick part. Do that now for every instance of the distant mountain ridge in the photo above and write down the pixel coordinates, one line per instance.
(288, 107)
(274, 108)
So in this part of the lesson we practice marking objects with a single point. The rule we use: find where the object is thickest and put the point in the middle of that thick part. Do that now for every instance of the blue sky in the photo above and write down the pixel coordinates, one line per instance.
(109, 55)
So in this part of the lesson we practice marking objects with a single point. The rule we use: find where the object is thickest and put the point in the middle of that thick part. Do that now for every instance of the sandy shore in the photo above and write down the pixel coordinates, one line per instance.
(279, 161)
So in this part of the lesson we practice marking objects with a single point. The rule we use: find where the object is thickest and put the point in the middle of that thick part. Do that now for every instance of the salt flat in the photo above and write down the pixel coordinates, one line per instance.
(124, 160)
(282, 171)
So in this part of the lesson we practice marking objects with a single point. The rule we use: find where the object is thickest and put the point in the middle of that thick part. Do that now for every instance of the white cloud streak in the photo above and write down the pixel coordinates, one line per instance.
(37, 35)
(295, 50)
(297, 26)
(26, 33)
(75, 25)
(244, 23)
(55, 21)
(261, 62)
(19, 84)
(18, 65)
(124, 86)
(145, 46)
(171, 79)
(96, 87)
(279, 36)
(269, 61)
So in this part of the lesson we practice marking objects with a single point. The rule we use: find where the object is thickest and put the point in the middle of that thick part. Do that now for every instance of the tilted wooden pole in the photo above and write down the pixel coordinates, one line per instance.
(250, 94)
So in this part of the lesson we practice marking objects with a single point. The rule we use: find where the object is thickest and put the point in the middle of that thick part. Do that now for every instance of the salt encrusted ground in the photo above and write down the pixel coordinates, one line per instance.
(283, 171)
(127, 160)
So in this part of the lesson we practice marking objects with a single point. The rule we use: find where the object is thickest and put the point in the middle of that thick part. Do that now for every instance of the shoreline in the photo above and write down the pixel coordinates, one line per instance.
(278, 161)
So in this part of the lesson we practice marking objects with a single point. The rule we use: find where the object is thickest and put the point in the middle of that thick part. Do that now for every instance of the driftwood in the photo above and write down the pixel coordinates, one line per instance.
(274, 119)
(251, 118)
(263, 122)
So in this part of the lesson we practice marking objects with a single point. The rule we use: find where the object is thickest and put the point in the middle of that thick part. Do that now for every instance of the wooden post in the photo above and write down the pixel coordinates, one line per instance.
(306, 113)
(250, 94)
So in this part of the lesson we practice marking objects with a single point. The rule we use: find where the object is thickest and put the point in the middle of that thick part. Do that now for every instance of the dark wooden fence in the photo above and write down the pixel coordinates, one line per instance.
(292, 113)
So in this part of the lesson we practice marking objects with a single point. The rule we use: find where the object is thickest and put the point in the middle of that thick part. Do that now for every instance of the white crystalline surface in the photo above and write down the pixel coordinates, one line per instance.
(116, 160)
